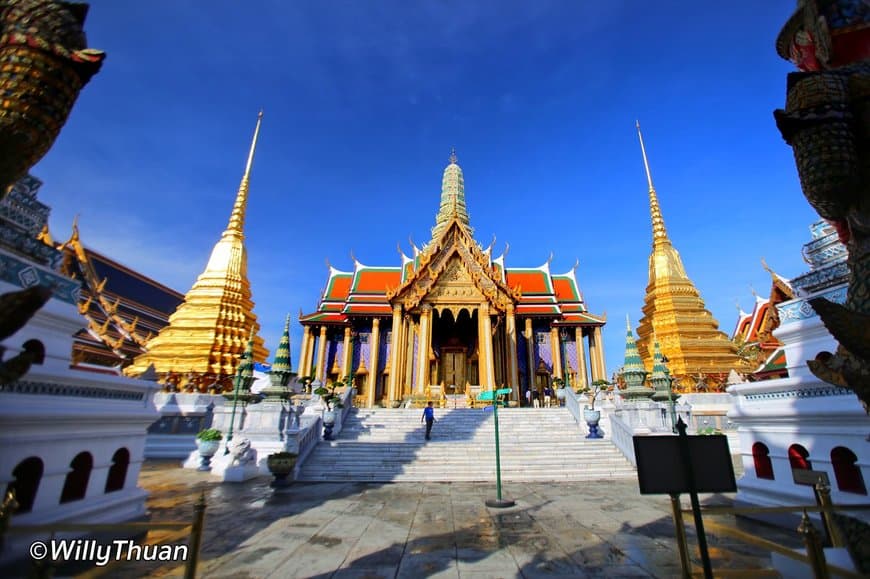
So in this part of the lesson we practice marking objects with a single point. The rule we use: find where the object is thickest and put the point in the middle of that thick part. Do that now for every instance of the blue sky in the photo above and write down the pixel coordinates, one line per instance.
(363, 101)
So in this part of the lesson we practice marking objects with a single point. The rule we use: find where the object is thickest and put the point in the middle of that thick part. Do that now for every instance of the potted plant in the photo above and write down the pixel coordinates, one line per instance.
(559, 383)
(332, 402)
(281, 465)
(591, 415)
(208, 441)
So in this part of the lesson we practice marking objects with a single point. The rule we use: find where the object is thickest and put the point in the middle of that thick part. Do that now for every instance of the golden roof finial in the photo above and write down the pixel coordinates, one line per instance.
(453, 158)
(237, 218)
(660, 234)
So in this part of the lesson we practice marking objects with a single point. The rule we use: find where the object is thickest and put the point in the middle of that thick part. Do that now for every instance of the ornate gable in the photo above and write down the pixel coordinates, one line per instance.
(454, 271)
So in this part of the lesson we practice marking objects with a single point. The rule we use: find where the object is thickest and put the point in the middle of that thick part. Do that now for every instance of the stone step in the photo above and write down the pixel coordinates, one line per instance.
(536, 445)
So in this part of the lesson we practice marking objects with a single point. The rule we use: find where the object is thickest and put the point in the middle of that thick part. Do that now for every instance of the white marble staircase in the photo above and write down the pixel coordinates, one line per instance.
(537, 444)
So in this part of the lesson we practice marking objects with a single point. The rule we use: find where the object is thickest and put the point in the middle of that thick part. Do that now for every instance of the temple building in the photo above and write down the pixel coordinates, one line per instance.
(753, 333)
(209, 331)
(451, 320)
(122, 308)
(675, 315)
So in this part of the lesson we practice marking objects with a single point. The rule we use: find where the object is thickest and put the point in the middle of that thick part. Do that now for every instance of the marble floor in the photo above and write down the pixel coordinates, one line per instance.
(364, 530)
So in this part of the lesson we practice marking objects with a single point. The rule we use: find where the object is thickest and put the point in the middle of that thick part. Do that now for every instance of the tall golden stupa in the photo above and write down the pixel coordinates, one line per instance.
(210, 329)
(674, 313)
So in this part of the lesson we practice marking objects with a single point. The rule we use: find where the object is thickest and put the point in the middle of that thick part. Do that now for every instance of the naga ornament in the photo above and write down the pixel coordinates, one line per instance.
(44, 63)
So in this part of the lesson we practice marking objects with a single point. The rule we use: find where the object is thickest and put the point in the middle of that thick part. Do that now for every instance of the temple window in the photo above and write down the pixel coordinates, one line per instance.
(118, 471)
(849, 478)
(799, 458)
(76, 484)
(27, 475)
(761, 457)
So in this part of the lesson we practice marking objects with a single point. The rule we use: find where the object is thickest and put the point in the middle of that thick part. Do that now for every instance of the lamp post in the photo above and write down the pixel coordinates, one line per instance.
(242, 381)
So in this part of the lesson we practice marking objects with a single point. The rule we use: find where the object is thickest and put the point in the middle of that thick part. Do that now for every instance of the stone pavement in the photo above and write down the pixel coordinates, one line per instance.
(368, 530)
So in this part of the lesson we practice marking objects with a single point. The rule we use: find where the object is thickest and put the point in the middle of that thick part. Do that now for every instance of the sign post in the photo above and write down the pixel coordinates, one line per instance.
(685, 464)
(498, 502)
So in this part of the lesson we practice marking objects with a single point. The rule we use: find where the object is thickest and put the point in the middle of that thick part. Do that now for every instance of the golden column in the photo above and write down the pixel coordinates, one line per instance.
(395, 353)
(347, 354)
(320, 373)
(596, 357)
(487, 341)
(309, 355)
(409, 334)
(581, 359)
(423, 348)
(556, 352)
(303, 354)
(511, 329)
(530, 353)
(602, 367)
(374, 352)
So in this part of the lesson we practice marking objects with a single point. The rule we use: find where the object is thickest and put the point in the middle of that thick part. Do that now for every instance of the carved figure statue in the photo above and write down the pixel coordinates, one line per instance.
(242, 453)
(826, 120)
(43, 65)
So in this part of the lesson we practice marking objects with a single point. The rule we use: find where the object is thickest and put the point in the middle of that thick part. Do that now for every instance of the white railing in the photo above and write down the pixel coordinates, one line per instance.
(347, 405)
(572, 403)
(307, 438)
(622, 433)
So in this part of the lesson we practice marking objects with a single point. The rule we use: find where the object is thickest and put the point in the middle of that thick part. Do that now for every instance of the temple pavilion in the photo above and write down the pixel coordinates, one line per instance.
(450, 320)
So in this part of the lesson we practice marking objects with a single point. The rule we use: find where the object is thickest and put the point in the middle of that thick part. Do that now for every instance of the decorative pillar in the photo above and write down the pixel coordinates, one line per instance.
(581, 358)
(347, 352)
(423, 348)
(513, 374)
(593, 356)
(395, 354)
(601, 364)
(320, 372)
(374, 352)
(481, 349)
(487, 341)
(530, 353)
(409, 333)
(303, 370)
(556, 352)
(596, 355)
(309, 354)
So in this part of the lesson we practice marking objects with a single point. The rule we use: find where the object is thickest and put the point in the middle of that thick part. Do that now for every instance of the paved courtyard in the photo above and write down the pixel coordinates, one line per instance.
(359, 530)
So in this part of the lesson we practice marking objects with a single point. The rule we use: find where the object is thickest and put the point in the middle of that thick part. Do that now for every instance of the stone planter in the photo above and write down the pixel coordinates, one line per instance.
(592, 417)
(328, 424)
(281, 466)
(207, 449)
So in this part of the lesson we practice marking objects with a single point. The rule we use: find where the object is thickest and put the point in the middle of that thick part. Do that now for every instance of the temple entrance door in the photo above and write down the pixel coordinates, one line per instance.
(453, 365)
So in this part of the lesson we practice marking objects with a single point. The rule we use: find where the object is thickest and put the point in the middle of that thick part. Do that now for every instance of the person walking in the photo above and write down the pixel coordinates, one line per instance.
(548, 396)
(429, 417)
(536, 402)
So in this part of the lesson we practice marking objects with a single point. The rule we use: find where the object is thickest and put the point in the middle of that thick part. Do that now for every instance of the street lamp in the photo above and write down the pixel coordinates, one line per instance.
(241, 385)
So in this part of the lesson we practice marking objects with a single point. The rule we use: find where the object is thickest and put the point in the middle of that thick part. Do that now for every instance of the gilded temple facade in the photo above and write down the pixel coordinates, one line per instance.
(209, 331)
(451, 320)
(675, 315)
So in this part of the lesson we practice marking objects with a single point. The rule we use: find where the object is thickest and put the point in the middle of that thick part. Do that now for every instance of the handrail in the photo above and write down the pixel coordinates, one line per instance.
(621, 434)
(572, 403)
(195, 535)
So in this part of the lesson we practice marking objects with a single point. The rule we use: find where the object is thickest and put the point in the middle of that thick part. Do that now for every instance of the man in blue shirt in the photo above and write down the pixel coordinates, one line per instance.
(429, 416)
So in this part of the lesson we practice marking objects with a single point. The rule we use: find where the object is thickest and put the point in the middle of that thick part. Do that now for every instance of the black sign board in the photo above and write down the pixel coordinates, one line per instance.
(661, 469)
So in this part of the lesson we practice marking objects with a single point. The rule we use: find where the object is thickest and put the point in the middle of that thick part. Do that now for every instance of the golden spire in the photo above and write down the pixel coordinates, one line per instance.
(673, 310)
(660, 234)
(236, 225)
(207, 332)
